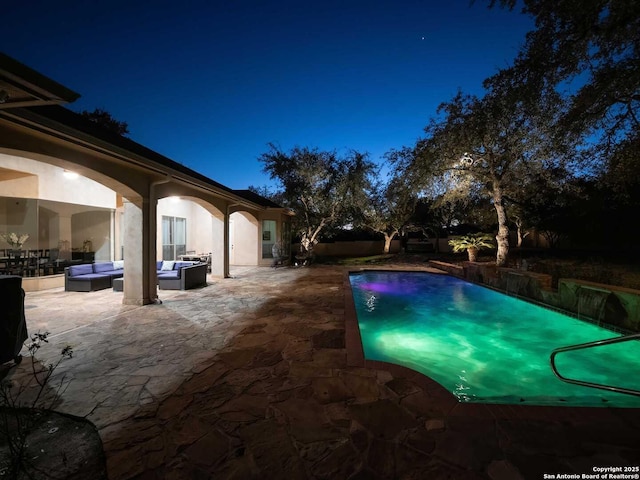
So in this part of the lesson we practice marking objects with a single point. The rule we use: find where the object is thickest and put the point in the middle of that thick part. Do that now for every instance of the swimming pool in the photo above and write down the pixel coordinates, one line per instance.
(484, 346)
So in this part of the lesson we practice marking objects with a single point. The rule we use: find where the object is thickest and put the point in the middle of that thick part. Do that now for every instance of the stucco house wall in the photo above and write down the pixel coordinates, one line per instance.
(76, 210)
(48, 182)
(201, 224)
(243, 241)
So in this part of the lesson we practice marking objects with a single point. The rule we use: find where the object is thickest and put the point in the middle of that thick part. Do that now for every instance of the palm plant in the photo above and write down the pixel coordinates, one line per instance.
(472, 243)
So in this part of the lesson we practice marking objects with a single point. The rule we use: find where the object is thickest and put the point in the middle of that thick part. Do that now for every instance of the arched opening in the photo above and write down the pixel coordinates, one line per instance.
(52, 217)
(114, 186)
(190, 227)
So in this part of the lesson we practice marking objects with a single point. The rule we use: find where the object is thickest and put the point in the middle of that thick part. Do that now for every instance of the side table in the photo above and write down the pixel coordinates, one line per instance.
(118, 284)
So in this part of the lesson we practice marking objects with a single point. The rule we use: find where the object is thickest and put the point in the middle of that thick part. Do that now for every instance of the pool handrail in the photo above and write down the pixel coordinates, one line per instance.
(597, 343)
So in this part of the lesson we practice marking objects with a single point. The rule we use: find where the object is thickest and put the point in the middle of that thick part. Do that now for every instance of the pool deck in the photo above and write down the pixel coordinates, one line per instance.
(262, 376)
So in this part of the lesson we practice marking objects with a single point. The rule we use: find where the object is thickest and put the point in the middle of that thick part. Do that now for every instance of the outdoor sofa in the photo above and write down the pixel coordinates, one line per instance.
(181, 275)
(97, 276)
(88, 277)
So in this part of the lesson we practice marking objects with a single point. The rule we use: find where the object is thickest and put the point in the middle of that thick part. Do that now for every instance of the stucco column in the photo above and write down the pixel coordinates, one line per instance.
(217, 246)
(139, 245)
(225, 249)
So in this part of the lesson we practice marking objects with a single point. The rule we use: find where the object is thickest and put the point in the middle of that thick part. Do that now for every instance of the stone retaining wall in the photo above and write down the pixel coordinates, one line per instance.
(611, 304)
(535, 286)
(617, 306)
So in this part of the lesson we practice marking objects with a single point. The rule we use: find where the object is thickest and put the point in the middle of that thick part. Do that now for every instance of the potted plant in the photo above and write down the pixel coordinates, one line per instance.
(472, 243)
(16, 240)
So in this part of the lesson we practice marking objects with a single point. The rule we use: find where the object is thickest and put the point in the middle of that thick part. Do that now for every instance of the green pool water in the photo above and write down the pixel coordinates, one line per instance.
(487, 347)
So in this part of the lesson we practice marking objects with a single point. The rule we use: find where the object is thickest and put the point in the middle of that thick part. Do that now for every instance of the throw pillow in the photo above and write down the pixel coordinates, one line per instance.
(118, 264)
(167, 266)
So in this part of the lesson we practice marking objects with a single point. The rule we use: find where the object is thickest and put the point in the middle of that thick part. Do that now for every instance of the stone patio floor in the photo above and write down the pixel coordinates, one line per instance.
(259, 376)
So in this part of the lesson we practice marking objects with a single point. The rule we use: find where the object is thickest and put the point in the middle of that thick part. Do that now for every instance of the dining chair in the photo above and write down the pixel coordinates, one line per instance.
(30, 265)
(52, 265)
(15, 262)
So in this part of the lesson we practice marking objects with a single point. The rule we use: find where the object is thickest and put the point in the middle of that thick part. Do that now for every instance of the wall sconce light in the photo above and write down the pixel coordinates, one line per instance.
(70, 175)
(174, 199)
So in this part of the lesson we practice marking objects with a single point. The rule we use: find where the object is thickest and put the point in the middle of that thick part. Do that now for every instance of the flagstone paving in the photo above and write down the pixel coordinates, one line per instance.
(255, 377)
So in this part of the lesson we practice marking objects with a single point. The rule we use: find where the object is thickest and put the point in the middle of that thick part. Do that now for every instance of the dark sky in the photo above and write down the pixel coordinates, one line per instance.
(210, 83)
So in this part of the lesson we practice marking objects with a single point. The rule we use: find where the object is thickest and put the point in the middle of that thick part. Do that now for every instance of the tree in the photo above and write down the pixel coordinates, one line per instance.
(591, 50)
(322, 188)
(457, 199)
(520, 221)
(105, 120)
(540, 204)
(387, 207)
(546, 207)
(446, 201)
(268, 192)
(494, 143)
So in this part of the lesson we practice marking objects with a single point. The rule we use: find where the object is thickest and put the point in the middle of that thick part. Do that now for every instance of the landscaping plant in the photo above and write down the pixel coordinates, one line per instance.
(21, 413)
(472, 243)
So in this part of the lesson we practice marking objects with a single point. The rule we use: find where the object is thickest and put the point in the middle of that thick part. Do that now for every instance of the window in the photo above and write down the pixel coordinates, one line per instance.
(174, 237)
(50, 232)
(268, 237)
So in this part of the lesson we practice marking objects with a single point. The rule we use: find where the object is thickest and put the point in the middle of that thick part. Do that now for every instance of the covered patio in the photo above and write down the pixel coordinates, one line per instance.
(76, 188)
(257, 376)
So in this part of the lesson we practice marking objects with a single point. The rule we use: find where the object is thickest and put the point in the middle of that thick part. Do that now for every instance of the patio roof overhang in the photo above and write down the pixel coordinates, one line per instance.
(21, 86)
(63, 124)
(33, 101)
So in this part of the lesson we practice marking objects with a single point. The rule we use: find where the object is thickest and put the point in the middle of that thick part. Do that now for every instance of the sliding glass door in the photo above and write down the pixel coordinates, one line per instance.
(174, 237)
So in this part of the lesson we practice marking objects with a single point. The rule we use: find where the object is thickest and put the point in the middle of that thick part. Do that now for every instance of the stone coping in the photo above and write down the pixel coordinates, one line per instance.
(450, 268)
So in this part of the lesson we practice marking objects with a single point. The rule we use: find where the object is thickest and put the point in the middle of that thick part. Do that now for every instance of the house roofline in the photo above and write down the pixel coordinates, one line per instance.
(32, 100)
(23, 86)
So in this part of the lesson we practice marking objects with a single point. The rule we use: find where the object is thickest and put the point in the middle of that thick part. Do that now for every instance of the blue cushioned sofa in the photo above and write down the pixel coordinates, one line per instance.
(90, 276)
(181, 275)
(97, 276)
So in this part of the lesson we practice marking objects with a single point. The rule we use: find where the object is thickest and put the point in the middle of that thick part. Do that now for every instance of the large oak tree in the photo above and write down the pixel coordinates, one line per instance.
(321, 187)
(495, 143)
(590, 51)
(387, 207)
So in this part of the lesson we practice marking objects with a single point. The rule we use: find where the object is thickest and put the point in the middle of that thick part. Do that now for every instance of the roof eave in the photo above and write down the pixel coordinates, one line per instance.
(38, 88)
